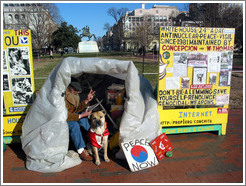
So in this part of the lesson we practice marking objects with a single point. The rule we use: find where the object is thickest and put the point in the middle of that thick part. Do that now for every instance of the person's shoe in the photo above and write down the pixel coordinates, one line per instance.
(85, 156)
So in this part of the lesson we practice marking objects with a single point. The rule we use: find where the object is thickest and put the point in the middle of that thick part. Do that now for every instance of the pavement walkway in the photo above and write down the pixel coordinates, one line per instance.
(197, 158)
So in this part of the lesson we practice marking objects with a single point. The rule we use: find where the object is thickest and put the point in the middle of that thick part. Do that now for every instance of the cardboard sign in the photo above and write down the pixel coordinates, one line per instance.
(139, 154)
(161, 145)
(201, 60)
(18, 77)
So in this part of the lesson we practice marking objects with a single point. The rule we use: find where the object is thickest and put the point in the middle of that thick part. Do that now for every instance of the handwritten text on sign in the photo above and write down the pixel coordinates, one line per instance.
(190, 96)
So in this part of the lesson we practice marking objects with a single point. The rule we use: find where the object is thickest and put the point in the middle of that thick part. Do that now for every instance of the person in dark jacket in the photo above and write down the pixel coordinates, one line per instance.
(77, 116)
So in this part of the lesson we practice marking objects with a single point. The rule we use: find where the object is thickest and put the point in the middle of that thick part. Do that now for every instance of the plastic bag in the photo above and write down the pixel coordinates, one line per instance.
(45, 135)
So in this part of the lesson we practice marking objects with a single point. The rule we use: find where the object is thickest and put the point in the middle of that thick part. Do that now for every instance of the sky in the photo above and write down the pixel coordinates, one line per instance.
(80, 14)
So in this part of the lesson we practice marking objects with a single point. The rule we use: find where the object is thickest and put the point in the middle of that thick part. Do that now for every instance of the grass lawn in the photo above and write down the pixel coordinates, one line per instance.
(44, 66)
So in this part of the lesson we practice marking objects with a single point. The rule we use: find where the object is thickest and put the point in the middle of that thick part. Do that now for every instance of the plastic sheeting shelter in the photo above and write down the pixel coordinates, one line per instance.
(45, 135)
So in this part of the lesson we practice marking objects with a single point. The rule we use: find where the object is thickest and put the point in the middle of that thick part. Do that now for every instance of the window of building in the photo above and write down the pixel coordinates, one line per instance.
(141, 11)
(164, 18)
(23, 16)
(10, 18)
(157, 18)
(16, 16)
(157, 11)
(161, 18)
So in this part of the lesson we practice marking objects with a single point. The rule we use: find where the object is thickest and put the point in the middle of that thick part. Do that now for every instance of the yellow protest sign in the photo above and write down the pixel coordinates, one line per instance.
(18, 78)
(12, 125)
(195, 66)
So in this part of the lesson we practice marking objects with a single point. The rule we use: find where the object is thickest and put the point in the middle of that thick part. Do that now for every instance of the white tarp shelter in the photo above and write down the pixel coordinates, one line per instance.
(45, 135)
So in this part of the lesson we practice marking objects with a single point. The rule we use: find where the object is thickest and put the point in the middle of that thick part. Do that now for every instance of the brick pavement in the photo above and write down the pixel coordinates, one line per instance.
(197, 158)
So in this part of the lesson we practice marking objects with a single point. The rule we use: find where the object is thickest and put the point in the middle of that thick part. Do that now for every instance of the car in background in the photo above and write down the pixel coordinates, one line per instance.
(69, 50)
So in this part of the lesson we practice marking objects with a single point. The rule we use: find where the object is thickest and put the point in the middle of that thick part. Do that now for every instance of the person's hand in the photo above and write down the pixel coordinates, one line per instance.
(85, 114)
(90, 96)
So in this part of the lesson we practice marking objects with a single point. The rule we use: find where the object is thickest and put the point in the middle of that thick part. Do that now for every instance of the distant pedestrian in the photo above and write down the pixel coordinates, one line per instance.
(140, 51)
(51, 54)
(62, 53)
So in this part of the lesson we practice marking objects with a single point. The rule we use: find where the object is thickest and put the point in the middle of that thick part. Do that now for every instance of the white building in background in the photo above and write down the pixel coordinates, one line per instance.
(15, 13)
(157, 16)
(30, 16)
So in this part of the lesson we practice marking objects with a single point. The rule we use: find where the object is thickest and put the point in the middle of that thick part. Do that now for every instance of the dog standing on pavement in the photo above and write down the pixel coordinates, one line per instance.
(98, 134)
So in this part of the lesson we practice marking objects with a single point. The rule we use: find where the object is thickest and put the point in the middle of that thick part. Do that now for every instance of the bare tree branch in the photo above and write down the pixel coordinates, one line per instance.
(144, 33)
(40, 22)
(107, 27)
(113, 12)
(54, 12)
(121, 12)
(222, 15)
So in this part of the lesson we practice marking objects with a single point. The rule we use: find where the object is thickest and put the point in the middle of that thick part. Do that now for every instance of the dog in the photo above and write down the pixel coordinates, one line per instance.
(98, 135)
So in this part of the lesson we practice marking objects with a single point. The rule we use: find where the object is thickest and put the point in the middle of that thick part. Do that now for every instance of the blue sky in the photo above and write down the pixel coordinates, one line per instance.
(80, 14)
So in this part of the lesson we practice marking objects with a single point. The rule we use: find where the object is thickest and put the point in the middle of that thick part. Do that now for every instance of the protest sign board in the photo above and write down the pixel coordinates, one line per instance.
(195, 66)
(161, 145)
(18, 79)
(139, 154)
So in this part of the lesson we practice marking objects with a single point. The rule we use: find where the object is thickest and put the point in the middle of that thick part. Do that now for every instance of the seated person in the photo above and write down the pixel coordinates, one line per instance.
(77, 117)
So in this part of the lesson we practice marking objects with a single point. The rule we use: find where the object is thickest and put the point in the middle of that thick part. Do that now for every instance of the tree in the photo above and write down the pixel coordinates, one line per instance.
(66, 36)
(39, 20)
(117, 13)
(117, 29)
(54, 12)
(107, 27)
(232, 17)
(179, 19)
(99, 41)
(143, 35)
(223, 15)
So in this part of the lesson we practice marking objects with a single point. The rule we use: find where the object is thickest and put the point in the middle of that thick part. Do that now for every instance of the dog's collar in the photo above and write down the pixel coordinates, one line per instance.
(105, 132)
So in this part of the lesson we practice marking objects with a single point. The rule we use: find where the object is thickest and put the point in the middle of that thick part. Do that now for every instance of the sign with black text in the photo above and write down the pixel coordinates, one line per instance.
(139, 154)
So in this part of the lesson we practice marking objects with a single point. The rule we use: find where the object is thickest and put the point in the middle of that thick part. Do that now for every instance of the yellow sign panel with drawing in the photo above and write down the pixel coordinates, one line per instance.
(195, 67)
(18, 79)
